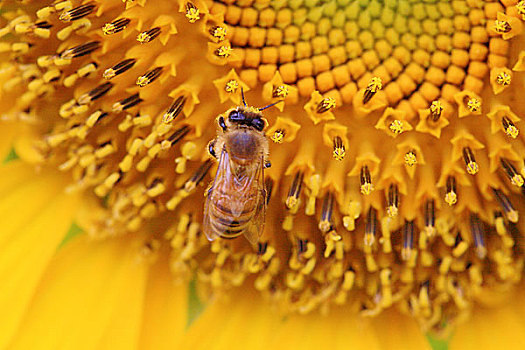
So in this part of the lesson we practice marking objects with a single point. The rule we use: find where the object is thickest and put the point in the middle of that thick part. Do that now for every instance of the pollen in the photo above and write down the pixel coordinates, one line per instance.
(503, 79)
(397, 126)
(231, 86)
(281, 91)
(502, 26)
(396, 164)
(278, 136)
(474, 105)
(224, 51)
(410, 158)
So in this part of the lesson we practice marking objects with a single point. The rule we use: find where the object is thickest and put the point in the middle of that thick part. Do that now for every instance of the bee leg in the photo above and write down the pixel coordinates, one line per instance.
(211, 148)
(208, 190)
(267, 164)
(222, 123)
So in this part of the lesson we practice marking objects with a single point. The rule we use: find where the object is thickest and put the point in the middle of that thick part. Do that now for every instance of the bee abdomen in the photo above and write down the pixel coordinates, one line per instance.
(225, 224)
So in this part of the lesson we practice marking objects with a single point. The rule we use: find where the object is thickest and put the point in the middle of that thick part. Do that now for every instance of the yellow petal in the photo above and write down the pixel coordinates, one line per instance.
(500, 327)
(83, 295)
(35, 218)
(397, 331)
(165, 309)
(339, 329)
(241, 322)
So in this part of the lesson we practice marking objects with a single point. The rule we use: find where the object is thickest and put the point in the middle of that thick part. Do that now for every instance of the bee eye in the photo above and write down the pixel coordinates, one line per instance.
(258, 124)
(236, 116)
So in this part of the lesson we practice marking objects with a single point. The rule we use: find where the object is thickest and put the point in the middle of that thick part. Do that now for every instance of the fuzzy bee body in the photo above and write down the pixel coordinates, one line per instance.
(236, 200)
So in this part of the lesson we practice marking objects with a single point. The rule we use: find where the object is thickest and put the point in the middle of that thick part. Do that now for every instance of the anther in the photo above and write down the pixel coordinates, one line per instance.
(268, 187)
(473, 105)
(366, 181)
(470, 161)
(397, 126)
(302, 245)
(295, 190)
(325, 224)
(430, 218)
(476, 228)
(506, 205)
(80, 50)
(451, 196)
(115, 26)
(408, 240)
(509, 127)
(192, 13)
(119, 68)
(325, 105)
(197, 177)
(436, 109)
(339, 148)
(515, 178)
(502, 27)
(223, 51)
(261, 248)
(76, 13)
(176, 137)
(43, 25)
(393, 201)
(410, 158)
(218, 32)
(280, 91)
(232, 86)
(148, 35)
(278, 136)
(174, 110)
(370, 227)
(94, 94)
(503, 79)
(126, 103)
(373, 86)
(149, 77)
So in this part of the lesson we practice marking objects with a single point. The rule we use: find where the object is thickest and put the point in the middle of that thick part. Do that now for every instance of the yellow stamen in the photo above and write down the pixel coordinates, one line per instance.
(502, 26)
(339, 148)
(410, 158)
(436, 108)
(148, 35)
(397, 126)
(503, 79)
(278, 136)
(192, 13)
(325, 105)
(116, 26)
(366, 181)
(373, 86)
(474, 105)
(231, 86)
(224, 51)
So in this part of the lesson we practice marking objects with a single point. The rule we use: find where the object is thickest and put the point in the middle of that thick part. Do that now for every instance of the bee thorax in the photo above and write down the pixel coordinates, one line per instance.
(243, 146)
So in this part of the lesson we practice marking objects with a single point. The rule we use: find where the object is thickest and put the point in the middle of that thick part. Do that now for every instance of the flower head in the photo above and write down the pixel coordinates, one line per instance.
(397, 161)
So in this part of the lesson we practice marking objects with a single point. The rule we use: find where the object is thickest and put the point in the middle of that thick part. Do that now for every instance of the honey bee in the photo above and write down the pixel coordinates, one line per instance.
(236, 199)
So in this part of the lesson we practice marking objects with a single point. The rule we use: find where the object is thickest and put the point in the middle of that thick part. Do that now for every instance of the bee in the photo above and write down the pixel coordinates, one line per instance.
(236, 199)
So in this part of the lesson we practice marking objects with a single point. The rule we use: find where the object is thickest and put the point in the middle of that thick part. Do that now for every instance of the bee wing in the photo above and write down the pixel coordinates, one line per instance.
(223, 174)
(255, 227)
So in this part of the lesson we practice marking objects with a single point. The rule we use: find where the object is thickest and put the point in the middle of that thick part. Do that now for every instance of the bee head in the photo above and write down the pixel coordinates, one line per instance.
(243, 116)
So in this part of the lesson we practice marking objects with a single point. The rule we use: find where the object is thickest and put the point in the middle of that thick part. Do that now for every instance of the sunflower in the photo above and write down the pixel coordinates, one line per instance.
(394, 194)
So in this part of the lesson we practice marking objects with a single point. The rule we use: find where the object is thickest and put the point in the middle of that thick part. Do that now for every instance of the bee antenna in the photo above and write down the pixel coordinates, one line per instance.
(270, 105)
(242, 94)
